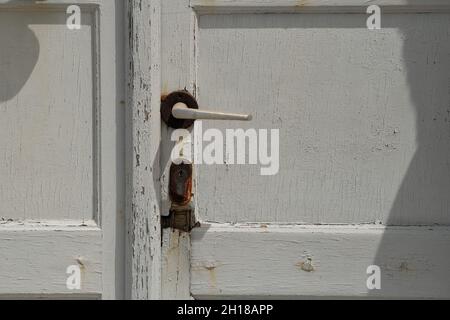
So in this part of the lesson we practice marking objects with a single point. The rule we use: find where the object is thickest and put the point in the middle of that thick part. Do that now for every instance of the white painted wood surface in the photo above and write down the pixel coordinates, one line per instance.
(35, 258)
(46, 123)
(329, 6)
(318, 261)
(363, 117)
(363, 136)
(144, 227)
(111, 172)
(61, 149)
(178, 73)
(176, 271)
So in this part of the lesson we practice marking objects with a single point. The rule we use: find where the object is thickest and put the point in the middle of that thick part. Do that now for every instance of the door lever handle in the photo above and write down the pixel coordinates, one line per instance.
(179, 110)
(182, 111)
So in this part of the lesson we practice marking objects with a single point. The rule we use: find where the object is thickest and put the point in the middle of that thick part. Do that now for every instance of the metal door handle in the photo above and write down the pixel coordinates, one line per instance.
(179, 110)
(182, 111)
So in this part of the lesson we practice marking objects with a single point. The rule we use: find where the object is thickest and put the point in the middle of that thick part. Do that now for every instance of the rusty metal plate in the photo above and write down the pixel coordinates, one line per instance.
(167, 104)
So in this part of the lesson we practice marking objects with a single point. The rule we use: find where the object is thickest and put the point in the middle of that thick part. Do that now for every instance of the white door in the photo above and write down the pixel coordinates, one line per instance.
(61, 166)
(364, 160)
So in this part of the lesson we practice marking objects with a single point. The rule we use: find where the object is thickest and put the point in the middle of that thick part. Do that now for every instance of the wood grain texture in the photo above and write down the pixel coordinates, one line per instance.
(62, 127)
(363, 136)
(46, 124)
(364, 140)
(303, 261)
(178, 66)
(314, 6)
(176, 277)
(111, 143)
(35, 259)
(144, 228)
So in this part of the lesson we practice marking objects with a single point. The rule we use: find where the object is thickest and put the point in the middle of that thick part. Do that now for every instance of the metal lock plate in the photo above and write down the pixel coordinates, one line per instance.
(180, 219)
(180, 191)
(180, 187)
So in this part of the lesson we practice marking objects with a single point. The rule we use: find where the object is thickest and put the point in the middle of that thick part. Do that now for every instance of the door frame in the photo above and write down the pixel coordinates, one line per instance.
(143, 239)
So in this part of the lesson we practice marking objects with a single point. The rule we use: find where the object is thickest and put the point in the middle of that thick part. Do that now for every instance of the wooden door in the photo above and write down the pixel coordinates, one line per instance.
(61, 150)
(364, 173)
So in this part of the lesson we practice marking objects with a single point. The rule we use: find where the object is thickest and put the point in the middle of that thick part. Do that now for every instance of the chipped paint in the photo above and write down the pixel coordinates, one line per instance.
(306, 266)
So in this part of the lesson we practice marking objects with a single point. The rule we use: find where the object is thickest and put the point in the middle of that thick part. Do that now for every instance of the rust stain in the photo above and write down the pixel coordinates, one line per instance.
(81, 263)
(164, 90)
(404, 267)
(208, 2)
(211, 268)
(180, 187)
(211, 6)
(301, 3)
(213, 278)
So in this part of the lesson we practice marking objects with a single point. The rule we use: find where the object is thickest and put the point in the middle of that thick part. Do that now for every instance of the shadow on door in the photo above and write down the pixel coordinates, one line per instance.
(18, 55)
(424, 196)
